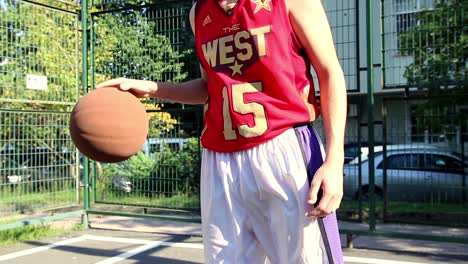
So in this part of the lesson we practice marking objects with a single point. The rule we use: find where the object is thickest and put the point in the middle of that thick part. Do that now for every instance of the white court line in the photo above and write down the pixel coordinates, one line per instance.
(142, 241)
(147, 246)
(130, 253)
(119, 239)
(375, 261)
(41, 248)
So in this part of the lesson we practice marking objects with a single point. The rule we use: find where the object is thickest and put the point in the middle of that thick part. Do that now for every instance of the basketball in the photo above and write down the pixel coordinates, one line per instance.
(108, 125)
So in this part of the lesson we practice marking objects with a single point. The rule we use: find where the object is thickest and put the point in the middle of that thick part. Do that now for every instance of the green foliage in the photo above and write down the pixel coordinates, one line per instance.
(38, 41)
(161, 123)
(127, 44)
(45, 41)
(186, 164)
(138, 166)
(439, 45)
(30, 129)
(168, 172)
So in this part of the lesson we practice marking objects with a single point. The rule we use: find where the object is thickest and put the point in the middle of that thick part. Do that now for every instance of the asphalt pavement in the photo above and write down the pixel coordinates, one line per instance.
(112, 239)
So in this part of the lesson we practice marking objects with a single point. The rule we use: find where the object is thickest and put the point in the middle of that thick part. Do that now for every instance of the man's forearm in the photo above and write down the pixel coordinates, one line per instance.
(190, 92)
(334, 106)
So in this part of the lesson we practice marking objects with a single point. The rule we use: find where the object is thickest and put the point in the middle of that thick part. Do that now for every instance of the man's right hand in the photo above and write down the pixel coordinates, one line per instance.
(140, 88)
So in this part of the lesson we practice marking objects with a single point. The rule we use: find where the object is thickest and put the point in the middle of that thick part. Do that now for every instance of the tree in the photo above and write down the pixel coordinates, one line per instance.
(44, 41)
(40, 41)
(126, 45)
(439, 45)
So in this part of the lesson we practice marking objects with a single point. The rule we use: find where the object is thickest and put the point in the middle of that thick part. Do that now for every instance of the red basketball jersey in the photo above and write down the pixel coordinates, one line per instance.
(259, 79)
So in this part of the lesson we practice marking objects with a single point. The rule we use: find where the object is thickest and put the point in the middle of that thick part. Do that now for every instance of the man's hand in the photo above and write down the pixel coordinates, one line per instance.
(140, 88)
(328, 179)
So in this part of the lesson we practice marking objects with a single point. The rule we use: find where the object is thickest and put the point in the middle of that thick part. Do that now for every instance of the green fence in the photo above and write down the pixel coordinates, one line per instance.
(39, 83)
(417, 113)
(38, 164)
(153, 42)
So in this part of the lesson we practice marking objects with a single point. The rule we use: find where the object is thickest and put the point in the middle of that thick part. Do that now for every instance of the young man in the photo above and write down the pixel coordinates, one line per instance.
(267, 190)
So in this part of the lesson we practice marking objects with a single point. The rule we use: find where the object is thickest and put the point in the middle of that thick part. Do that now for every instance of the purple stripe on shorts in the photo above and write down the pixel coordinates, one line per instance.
(313, 159)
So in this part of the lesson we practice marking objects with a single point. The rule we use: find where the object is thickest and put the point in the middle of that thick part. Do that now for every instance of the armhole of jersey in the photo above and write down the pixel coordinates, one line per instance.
(295, 40)
(197, 4)
(195, 13)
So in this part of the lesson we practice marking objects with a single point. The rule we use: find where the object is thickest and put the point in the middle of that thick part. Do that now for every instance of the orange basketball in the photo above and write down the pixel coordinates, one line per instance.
(109, 125)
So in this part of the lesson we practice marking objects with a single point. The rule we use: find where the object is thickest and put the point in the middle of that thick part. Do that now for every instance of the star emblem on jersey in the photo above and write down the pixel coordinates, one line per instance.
(262, 4)
(236, 68)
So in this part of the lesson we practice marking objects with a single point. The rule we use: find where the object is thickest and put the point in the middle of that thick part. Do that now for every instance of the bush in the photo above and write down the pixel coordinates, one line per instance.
(170, 172)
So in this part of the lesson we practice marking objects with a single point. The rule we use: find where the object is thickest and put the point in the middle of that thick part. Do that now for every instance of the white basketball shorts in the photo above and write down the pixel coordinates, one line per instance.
(254, 204)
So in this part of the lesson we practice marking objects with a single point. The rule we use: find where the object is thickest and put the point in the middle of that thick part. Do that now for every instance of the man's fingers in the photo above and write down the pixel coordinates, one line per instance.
(328, 204)
(314, 189)
(322, 208)
(126, 86)
(114, 83)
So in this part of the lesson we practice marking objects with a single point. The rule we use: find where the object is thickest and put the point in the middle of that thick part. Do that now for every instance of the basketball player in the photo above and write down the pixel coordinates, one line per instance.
(268, 191)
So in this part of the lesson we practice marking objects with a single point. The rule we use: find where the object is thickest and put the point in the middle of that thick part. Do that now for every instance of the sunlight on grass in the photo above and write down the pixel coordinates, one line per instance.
(13, 202)
(175, 201)
(34, 232)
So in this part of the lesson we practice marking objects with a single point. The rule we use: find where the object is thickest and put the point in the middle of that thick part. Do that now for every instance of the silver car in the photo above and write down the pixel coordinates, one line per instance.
(412, 174)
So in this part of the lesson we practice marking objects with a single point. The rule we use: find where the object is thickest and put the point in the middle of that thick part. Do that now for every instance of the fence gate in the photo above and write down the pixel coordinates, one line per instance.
(39, 83)
(153, 42)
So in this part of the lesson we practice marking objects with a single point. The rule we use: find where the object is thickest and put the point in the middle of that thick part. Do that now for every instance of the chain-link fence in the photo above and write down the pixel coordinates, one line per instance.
(39, 82)
(420, 117)
(152, 42)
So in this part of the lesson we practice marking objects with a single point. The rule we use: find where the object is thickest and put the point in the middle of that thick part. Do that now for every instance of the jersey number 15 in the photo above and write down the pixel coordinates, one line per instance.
(241, 107)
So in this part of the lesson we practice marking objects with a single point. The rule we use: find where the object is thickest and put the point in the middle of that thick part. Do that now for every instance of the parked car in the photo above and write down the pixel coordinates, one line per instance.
(364, 151)
(352, 150)
(11, 172)
(41, 167)
(121, 183)
(413, 174)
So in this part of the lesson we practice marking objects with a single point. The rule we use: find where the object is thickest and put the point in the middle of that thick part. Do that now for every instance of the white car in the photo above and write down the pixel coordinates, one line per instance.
(412, 174)
(121, 183)
(379, 148)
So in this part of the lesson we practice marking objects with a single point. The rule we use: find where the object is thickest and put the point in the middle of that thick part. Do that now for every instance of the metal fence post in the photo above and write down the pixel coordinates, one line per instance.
(84, 39)
(370, 122)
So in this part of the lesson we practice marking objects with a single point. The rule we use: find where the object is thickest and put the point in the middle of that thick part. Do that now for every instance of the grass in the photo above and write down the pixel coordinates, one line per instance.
(174, 201)
(33, 232)
(32, 201)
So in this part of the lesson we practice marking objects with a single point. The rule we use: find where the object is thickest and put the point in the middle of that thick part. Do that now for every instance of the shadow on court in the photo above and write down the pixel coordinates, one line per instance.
(130, 241)
(106, 247)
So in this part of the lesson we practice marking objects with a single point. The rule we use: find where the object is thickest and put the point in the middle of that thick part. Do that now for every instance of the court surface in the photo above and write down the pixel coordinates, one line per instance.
(125, 241)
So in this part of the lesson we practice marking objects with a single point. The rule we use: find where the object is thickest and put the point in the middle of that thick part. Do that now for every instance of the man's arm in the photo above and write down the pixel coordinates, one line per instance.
(311, 26)
(190, 92)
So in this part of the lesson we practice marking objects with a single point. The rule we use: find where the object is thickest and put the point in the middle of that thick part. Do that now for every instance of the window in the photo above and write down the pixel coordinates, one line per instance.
(405, 22)
(153, 148)
(174, 146)
(402, 161)
(406, 19)
(437, 162)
